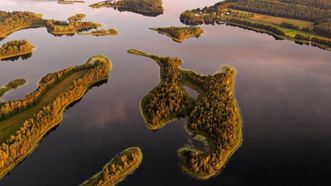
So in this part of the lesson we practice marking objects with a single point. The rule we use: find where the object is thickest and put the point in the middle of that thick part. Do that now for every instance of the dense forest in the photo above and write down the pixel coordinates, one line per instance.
(301, 20)
(144, 7)
(74, 25)
(216, 116)
(117, 169)
(215, 113)
(13, 21)
(180, 34)
(29, 132)
(15, 48)
(323, 29)
(168, 100)
(280, 9)
(323, 4)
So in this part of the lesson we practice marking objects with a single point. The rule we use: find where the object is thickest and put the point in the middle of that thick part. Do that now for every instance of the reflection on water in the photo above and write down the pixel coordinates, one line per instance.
(283, 90)
(144, 7)
(23, 57)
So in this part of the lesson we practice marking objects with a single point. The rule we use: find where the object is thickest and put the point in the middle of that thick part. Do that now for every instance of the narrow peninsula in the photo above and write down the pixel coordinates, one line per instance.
(24, 122)
(117, 169)
(150, 8)
(215, 114)
(15, 48)
(11, 85)
(180, 34)
(305, 22)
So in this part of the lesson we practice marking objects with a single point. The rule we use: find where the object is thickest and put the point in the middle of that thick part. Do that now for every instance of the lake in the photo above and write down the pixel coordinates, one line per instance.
(283, 90)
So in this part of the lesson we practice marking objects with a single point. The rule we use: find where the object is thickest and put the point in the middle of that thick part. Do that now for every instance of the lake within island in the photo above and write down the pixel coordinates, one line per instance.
(215, 114)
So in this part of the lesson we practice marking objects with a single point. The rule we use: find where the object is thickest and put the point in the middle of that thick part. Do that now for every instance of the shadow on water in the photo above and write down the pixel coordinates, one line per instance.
(23, 57)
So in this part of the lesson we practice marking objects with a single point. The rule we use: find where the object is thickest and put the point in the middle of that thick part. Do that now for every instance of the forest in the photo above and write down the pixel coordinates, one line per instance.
(74, 25)
(151, 8)
(14, 21)
(101, 32)
(180, 34)
(283, 19)
(15, 48)
(322, 4)
(117, 169)
(168, 100)
(24, 122)
(281, 9)
(214, 114)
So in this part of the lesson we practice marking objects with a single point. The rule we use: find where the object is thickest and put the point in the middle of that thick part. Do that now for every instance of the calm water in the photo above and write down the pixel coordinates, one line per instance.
(283, 89)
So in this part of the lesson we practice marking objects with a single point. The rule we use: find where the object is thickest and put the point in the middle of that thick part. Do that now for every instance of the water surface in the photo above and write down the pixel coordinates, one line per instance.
(283, 89)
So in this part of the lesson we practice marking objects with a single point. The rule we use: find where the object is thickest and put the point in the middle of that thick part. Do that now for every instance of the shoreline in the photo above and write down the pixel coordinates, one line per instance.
(60, 117)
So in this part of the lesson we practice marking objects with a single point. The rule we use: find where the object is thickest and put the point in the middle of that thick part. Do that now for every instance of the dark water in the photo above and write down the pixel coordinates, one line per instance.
(283, 89)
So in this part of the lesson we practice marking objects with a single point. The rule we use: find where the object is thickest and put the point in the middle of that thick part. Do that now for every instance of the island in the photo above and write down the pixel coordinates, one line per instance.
(15, 48)
(14, 21)
(180, 34)
(24, 122)
(305, 22)
(101, 32)
(11, 85)
(71, 27)
(168, 100)
(70, 1)
(11, 22)
(117, 169)
(214, 115)
(150, 8)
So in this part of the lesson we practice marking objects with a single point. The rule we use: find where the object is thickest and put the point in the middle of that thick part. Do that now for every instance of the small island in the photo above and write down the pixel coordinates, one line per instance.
(101, 32)
(11, 85)
(71, 27)
(117, 169)
(15, 48)
(11, 22)
(305, 22)
(215, 114)
(70, 1)
(24, 122)
(151, 8)
(180, 34)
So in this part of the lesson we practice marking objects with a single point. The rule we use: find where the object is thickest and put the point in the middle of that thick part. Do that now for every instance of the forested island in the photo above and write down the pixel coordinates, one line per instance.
(25, 121)
(305, 22)
(71, 27)
(70, 1)
(117, 169)
(15, 48)
(180, 34)
(101, 32)
(151, 8)
(11, 85)
(14, 21)
(214, 114)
